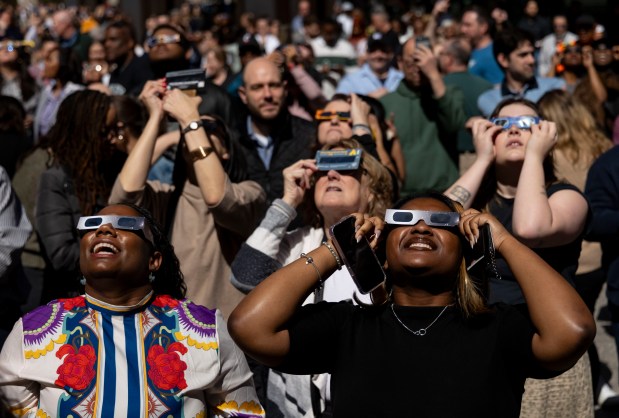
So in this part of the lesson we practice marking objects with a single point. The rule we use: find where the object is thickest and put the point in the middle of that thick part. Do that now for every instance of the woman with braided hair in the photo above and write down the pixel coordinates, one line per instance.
(74, 184)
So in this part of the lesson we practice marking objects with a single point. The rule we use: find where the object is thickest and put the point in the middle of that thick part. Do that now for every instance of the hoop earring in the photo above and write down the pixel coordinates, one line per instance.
(151, 277)
(83, 281)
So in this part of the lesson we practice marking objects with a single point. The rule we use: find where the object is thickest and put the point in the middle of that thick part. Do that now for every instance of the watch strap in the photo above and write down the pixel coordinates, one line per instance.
(193, 126)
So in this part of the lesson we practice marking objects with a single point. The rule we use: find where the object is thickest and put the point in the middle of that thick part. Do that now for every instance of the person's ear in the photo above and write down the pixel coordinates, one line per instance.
(188, 54)
(155, 260)
(502, 60)
(243, 94)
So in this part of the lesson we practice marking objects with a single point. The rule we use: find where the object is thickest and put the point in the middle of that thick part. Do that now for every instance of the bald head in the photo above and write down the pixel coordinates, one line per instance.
(263, 90)
(63, 24)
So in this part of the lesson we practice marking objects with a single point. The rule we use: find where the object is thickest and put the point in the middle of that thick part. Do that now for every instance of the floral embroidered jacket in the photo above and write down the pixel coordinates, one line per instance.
(164, 357)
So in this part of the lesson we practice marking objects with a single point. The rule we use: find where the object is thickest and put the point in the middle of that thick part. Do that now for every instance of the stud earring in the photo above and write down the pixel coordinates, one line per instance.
(83, 281)
(151, 277)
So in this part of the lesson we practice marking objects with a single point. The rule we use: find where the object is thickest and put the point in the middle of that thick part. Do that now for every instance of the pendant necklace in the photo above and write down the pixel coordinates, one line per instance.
(421, 331)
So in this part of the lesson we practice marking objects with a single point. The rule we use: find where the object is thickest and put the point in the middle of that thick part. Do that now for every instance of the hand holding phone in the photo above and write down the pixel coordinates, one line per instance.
(359, 258)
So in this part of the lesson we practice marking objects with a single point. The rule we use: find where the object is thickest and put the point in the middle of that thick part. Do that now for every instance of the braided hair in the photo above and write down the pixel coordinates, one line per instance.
(169, 278)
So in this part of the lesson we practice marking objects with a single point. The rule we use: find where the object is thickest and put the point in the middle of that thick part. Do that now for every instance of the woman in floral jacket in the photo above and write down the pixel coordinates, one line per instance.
(131, 345)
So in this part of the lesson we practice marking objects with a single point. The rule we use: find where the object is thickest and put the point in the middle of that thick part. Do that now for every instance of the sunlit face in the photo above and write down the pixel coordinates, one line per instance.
(52, 63)
(263, 91)
(166, 51)
(521, 62)
(339, 194)
(213, 64)
(470, 27)
(510, 144)
(420, 250)
(107, 252)
(331, 131)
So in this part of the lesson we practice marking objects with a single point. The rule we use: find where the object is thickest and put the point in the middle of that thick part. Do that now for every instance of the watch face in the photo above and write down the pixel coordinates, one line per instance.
(193, 125)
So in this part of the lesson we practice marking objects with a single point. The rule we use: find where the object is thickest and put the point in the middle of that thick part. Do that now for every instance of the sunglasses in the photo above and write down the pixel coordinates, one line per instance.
(412, 217)
(322, 115)
(125, 223)
(163, 40)
(520, 122)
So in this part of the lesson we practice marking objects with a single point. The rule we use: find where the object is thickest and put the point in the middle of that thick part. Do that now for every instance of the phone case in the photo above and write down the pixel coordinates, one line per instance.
(480, 260)
(366, 260)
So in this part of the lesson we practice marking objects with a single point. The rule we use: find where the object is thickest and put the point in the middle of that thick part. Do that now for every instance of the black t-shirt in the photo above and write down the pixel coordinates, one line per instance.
(564, 258)
(459, 368)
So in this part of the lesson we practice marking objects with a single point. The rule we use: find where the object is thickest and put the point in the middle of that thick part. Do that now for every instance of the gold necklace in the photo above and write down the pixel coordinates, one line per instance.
(421, 331)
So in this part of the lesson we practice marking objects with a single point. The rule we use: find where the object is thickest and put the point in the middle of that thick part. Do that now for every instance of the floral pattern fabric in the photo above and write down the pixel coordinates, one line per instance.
(164, 358)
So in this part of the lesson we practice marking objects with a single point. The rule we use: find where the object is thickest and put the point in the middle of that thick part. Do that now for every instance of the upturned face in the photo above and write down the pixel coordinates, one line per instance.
(423, 251)
(331, 131)
(110, 253)
(510, 144)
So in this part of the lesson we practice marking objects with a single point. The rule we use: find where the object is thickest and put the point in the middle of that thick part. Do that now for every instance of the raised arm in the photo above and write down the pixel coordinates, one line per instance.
(262, 254)
(133, 174)
(258, 324)
(467, 186)
(564, 326)
(210, 174)
(539, 220)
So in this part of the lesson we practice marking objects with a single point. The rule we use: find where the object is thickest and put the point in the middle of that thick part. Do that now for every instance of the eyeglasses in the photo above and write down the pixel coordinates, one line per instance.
(412, 217)
(323, 115)
(163, 40)
(125, 223)
(11, 46)
(520, 122)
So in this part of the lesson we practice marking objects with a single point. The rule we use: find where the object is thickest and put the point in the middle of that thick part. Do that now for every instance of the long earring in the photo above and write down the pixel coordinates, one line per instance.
(83, 281)
(151, 277)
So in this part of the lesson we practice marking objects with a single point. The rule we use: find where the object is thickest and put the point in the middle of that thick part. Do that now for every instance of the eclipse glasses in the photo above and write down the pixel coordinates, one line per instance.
(163, 40)
(412, 217)
(125, 223)
(520, 122)
(322, 115)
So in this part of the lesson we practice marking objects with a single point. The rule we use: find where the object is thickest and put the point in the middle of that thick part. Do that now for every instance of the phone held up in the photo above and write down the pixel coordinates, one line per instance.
(423, 40)
(480, 260)
(359, 258)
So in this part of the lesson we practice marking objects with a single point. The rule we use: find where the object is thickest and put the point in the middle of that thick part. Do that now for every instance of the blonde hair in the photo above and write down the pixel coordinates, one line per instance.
(379, 184)
(579, 136)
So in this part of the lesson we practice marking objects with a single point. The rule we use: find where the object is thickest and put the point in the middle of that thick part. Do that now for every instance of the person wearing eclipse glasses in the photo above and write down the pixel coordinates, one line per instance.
(324, 192)
(513, 179)
(434, 348)
(132, 345)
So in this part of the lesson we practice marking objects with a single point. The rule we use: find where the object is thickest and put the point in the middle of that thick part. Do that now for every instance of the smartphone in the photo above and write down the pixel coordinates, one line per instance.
(423, 40)
(359, 258)
(480, 263)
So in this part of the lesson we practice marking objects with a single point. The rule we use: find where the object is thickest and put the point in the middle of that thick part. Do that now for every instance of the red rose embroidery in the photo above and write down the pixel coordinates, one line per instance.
(166, 368)
(77, 369)
(71, 303)
(165, 301)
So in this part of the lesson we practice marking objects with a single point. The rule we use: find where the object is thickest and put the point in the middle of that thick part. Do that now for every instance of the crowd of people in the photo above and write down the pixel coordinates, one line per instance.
(166, 249)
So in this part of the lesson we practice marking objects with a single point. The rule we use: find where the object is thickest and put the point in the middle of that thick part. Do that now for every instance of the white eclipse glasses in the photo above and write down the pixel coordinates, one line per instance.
(412, 217)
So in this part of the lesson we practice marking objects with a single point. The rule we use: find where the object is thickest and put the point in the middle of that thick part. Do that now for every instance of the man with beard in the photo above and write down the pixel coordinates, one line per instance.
(271, 138)
(376, 77)
(514, 51)
(427, 115)
(129, 72)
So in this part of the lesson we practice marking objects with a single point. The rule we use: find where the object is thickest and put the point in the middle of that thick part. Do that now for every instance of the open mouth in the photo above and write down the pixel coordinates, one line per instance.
(334, 189)
(514, 144)
(420, 244)
(105, 248)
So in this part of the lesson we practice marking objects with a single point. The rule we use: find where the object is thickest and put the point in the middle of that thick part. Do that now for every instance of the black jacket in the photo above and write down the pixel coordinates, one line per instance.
(293, 139)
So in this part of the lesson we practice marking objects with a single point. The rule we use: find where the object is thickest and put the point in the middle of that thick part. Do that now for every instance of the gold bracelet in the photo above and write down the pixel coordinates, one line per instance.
(338, 260)
(200, 153)
(310, 260)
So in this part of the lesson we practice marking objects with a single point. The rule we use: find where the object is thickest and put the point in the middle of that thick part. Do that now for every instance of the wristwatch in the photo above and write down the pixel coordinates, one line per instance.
(193, 126)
